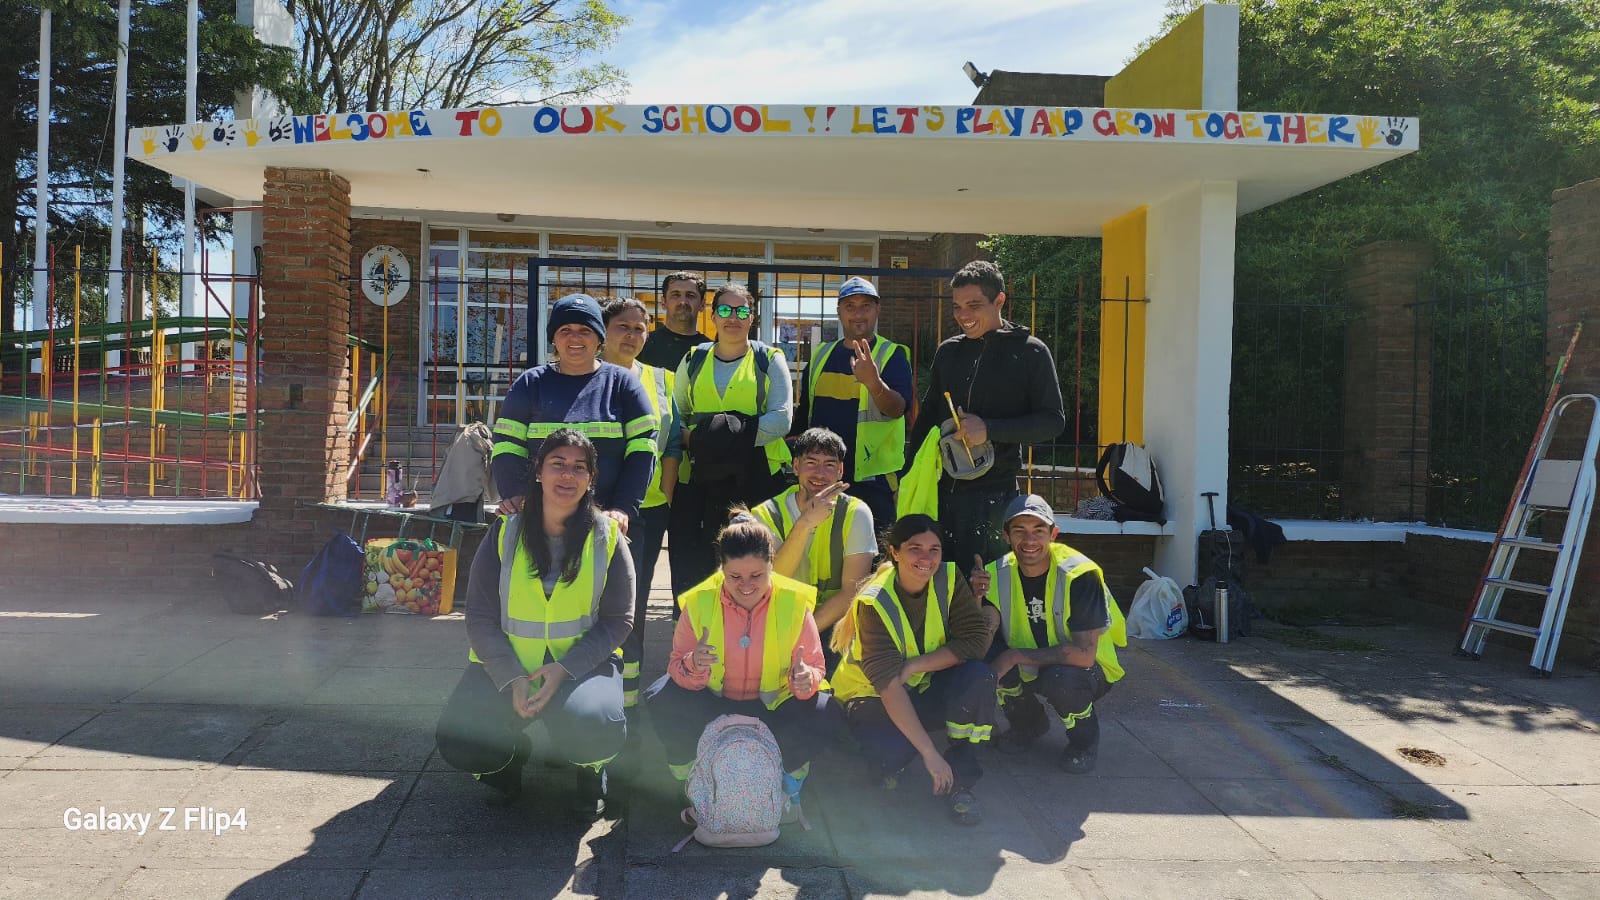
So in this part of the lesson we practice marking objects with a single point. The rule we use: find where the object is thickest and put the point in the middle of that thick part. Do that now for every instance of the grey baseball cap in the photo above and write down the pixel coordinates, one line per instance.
(1031, 505)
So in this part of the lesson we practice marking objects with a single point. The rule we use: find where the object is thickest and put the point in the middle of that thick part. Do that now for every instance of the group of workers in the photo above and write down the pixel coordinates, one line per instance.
(629, 434)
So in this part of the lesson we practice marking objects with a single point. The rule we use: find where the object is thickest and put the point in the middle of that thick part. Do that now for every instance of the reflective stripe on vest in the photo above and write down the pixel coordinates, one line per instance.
(786, 619)
(880, 445)
(538, 624)
(747, 393)
(828, 573)
(1066, 566)
(658, 384)
(850, 680)
(591, 430)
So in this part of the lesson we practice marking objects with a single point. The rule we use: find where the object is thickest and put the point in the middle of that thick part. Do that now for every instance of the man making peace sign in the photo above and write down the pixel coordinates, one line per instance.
(859, 387)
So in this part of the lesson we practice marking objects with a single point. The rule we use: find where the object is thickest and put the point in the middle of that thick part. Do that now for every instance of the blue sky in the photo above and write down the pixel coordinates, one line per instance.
(864, 51)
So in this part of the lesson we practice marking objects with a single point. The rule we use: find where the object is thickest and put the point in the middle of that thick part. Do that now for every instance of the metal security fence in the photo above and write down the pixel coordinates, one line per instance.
(1286, 445)
(155, 405)
(1488, 358)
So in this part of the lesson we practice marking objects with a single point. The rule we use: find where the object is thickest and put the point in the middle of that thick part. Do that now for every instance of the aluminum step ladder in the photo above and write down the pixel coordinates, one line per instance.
(1561, 486)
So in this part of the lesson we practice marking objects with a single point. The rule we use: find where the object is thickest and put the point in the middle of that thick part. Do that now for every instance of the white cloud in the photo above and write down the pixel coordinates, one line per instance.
(850, 51)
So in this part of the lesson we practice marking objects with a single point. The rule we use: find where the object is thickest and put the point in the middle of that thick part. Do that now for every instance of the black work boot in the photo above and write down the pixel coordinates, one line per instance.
(1083, 747)
(590, 800)
(507, 782)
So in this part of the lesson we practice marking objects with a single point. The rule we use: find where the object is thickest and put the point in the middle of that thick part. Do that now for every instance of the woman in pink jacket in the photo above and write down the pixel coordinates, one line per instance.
(746, 644)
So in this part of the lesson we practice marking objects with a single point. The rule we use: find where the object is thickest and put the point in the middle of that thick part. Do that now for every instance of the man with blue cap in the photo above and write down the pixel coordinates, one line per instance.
(577, 390)
(859, 387)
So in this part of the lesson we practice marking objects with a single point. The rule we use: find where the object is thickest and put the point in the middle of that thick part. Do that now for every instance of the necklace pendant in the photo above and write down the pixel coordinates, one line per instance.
(744, 642)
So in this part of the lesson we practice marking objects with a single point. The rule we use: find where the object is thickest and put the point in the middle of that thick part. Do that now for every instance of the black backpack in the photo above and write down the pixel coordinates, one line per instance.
(250, 587)
(332, 583)
(1127, 477)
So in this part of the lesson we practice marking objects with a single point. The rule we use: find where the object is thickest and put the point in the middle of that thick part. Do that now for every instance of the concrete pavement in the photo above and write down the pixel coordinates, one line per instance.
(1336, 762)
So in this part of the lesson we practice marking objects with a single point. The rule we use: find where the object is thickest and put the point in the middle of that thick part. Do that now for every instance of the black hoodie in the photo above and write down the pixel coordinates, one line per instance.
(1008, 379)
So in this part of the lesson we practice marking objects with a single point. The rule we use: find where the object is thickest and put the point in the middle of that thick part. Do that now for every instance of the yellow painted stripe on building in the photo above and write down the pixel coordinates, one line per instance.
(1122, 328)
(1167, 75)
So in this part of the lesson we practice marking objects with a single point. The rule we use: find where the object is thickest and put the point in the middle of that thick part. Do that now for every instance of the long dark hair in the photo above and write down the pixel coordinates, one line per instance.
(578, 525)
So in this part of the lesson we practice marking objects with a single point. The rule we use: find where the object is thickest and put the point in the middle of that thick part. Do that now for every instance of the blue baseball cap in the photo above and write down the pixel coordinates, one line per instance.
(857, 285)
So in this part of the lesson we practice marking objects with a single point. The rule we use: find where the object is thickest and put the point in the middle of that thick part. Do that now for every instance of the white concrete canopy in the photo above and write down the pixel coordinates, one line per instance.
(1017, 170)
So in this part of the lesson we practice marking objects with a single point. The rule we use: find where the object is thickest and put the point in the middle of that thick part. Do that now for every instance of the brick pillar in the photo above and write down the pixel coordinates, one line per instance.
(1574, 296)
(1387, 379)
(305, 368)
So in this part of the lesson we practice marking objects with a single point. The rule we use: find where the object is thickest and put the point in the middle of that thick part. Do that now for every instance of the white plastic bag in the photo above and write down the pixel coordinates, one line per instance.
(1158, 611)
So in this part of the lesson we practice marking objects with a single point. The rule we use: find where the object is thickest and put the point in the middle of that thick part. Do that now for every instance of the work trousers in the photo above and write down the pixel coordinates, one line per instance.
(700, 510)
(479, 731)
(974, 522)
(1070, 690)
(960, 698)
(801, 727)
(645, 532)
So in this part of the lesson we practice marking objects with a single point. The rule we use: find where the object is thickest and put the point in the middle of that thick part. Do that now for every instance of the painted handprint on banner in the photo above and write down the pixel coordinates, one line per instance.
(1394, 131)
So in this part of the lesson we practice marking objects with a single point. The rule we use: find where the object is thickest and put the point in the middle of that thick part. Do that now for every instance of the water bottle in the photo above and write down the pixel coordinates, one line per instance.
(1222, 612)
(392, 483)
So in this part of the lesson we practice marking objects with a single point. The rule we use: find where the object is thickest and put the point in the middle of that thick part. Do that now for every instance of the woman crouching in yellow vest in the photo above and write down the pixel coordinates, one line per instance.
(549, 601)
(913, 645)
(746, 644)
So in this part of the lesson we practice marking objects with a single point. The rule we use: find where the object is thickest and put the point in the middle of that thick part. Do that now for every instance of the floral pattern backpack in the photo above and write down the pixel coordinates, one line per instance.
(736, 785)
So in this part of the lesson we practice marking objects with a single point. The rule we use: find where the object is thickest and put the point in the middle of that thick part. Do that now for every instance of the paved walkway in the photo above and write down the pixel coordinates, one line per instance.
(1340, 762)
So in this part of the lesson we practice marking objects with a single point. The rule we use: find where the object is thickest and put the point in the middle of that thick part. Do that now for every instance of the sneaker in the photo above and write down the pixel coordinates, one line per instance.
(791, 809)
(1079, 760)
(507, 782)
(590, 799)
(964, 807)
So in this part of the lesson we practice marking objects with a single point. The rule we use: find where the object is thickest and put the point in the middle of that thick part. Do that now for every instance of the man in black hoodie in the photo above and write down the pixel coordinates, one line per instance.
(1003, 381)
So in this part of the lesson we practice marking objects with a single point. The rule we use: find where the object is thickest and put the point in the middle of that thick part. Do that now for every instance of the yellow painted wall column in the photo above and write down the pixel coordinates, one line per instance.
(1122, 328)
(1193, 66)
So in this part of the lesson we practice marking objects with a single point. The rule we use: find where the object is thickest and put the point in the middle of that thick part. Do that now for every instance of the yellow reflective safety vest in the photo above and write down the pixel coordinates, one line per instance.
(658, 384)
(919, 489)
(747, 391)
(880, 440)
(791, 602)
(1066, 566)
(825, 561)
(538, 624)
(878, 596)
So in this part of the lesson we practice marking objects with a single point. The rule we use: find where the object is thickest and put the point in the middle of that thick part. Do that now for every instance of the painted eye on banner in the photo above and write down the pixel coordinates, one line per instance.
(385, 275)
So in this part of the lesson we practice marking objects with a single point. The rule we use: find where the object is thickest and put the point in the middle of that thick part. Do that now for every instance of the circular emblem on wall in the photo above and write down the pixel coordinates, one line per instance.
(383, 284)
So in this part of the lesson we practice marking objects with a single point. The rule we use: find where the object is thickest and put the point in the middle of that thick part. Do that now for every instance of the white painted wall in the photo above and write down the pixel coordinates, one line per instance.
(1189, 241)
(1219, 77)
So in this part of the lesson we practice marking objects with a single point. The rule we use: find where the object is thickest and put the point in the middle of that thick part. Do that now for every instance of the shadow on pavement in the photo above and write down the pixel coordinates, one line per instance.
(321, 729)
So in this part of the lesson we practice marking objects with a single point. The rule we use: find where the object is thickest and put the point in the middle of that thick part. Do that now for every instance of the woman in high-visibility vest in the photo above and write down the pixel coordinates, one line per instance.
(549, 602)
(627, 326)
(913, 645)
(736, 402)
(746, 644)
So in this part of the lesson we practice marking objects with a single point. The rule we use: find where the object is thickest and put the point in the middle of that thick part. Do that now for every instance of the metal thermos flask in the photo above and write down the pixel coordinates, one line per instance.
(1222, 612)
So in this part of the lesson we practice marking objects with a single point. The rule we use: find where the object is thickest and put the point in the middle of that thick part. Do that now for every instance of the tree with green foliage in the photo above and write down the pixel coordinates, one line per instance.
(1508, 94)
(1508, 97)
(82, 73)
(382, 54)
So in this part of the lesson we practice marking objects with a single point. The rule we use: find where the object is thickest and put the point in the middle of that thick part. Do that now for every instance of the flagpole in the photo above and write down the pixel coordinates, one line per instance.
(41, 194)
(114, 309)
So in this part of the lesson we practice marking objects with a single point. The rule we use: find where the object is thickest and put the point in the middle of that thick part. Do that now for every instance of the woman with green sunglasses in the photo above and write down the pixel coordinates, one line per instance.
(736, 403)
